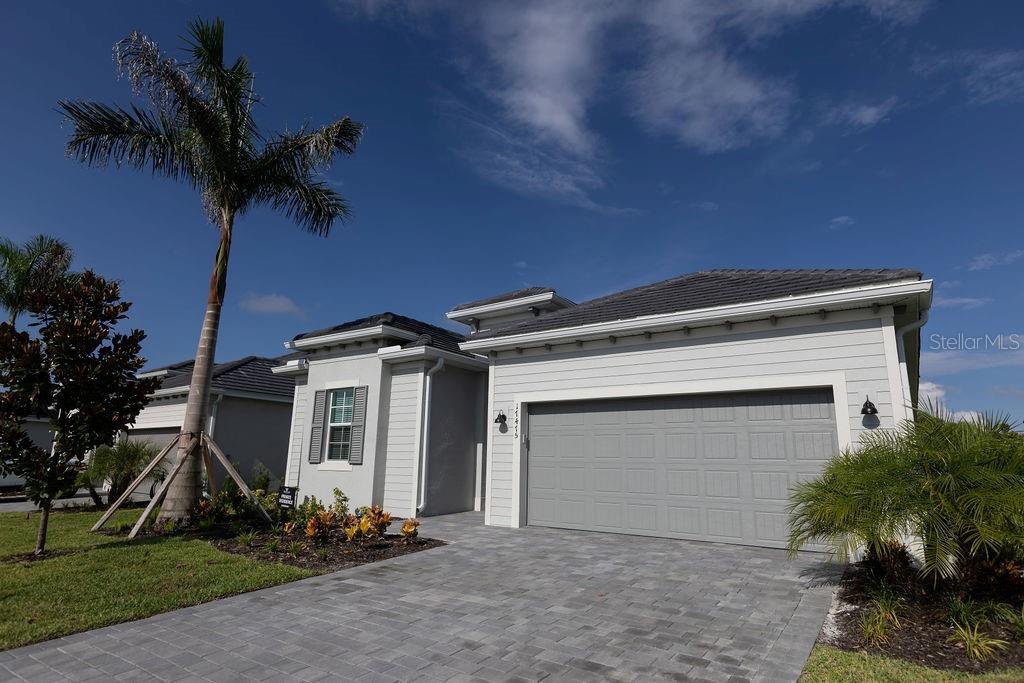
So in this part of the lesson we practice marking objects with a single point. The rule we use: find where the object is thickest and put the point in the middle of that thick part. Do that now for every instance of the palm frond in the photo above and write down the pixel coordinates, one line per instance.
(311, 204)
(169, 88)
(135, 137)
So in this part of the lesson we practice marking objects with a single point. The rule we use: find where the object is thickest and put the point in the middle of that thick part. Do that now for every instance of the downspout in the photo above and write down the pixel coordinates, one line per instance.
(902, 353)
(425, 442)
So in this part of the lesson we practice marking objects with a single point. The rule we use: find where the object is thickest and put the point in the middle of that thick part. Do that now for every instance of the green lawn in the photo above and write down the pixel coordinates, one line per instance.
(107, 580)
(830, 665)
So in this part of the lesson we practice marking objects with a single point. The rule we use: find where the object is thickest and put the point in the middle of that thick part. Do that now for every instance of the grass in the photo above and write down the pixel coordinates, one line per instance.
(106, 580)
(831, 665)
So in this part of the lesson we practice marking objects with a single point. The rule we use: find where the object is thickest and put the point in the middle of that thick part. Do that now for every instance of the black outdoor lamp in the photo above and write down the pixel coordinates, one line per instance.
(501, 419)
(868, 407)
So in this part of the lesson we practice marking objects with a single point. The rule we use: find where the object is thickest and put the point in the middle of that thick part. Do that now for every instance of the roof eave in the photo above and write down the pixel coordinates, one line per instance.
(350, 336)
(520, 303)
(396, 354)
(806, 303)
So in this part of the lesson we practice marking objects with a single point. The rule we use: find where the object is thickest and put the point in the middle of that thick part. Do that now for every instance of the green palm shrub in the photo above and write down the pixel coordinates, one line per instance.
(119, 464)
(956, 485)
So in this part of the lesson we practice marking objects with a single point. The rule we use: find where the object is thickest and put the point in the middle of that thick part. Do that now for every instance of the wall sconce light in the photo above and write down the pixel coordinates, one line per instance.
(501, 419)
(869, 407)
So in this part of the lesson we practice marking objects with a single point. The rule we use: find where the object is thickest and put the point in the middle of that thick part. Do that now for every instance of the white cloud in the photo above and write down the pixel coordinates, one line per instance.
(939, 363)
(949, 284)
(840, 222)
(986, 76)
(966, 415)
(705, 206)
(991, 260)
(271, 304)
(862, 116)
(520, 265)
(694, 77)
(930, 392)
(964, 302)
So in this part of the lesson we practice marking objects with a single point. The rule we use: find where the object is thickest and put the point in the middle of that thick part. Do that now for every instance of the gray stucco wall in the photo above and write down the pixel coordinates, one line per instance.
(456, 413)
(251, 431)
(39, 432)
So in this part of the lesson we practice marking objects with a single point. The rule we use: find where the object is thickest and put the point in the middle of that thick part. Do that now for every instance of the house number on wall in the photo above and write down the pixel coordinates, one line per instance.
(515, 423)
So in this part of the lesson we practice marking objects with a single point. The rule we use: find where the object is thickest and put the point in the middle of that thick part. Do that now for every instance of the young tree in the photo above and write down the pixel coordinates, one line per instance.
(200, 130)
(28, 268)
(119, 465)
(79, 374)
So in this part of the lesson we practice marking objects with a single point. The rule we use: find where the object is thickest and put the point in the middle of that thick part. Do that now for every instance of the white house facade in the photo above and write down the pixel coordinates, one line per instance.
(687, 408)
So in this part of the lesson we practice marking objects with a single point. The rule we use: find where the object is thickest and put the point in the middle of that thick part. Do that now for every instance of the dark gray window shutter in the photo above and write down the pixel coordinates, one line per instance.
(316, 438)
(355, 456)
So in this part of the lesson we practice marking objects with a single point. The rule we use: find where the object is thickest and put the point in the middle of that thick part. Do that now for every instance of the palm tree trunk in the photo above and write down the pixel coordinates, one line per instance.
(185, 490)
(44, 521)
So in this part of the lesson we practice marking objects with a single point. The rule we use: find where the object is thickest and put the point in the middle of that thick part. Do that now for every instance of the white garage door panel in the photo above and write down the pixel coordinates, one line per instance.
(715, 467)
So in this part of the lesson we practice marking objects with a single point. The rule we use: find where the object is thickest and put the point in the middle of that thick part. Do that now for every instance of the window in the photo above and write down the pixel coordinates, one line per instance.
(339, 424)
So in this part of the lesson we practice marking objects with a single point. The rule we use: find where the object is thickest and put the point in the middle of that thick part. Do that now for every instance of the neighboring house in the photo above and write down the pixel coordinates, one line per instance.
(39, 431)
(250, 411)
(389, 410)
(688, 408)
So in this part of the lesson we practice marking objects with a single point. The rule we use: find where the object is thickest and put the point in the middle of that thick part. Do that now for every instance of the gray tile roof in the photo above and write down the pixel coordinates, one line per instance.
(703, 289)
(430, 335)
(507, 296)
(250, 374)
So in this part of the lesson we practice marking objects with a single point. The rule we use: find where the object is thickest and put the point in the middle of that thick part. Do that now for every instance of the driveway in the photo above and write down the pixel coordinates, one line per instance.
(495, 605)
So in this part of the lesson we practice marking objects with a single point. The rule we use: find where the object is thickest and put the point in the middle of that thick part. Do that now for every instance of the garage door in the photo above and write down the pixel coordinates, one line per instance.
(714, 467)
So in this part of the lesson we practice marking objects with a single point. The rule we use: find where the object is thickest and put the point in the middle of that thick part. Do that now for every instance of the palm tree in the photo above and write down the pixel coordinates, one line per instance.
(199, 129)
(28, 268)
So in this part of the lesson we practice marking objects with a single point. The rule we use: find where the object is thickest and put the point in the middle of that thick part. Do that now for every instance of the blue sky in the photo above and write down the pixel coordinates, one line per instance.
(588, 146)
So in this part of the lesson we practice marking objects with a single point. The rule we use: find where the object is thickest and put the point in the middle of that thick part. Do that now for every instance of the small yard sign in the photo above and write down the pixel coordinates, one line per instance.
(286, 496)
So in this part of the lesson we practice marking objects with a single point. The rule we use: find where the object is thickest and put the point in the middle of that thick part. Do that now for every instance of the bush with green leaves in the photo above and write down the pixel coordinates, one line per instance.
(956, 485)
(119, 465)
(260, 477)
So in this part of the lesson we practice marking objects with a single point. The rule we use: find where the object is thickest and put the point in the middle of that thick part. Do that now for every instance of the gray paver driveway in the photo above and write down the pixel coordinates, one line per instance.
(496, 604)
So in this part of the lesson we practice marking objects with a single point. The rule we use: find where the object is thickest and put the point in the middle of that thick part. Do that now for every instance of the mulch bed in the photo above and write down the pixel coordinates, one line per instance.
(331, 556)
(923, 634)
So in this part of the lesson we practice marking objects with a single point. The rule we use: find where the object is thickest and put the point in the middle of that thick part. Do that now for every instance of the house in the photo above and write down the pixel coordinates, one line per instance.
(388, 409)
(39, 431)
(687, 408)
(250, 412)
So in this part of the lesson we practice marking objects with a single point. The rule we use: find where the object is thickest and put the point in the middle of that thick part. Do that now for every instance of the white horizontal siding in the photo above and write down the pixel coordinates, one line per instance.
(161, 413)
(402, 440)
(296, 439)
(851, 342)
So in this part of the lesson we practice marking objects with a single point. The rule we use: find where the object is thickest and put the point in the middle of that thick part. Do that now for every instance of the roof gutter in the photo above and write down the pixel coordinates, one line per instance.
(901, 352)
(345, 337)
(396, 354)
(792, 305)
(425, 443)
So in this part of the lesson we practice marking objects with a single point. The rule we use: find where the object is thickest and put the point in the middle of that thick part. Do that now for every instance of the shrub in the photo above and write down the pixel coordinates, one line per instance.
(288, 529)
(274, 544)
(309, 508)
(340, 505)
(247, 538)
(956, 485)
(259, 477)
(295, 548)
(977, 644)
(119, 464)
(887, 602)
(319, 528)
(410, 528)
(874, 628)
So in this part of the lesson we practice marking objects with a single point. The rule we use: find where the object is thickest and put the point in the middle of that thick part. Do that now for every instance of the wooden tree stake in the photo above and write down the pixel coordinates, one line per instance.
(234, 475)
(135, 484)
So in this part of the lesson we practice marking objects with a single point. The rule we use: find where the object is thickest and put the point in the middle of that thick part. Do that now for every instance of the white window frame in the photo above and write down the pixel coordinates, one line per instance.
(334, 465)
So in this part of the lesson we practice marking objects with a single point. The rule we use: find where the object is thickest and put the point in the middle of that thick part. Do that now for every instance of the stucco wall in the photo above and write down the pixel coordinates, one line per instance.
(456, 411)
(251, 431)
(333, 371)
(39, 432)
(858, 344)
